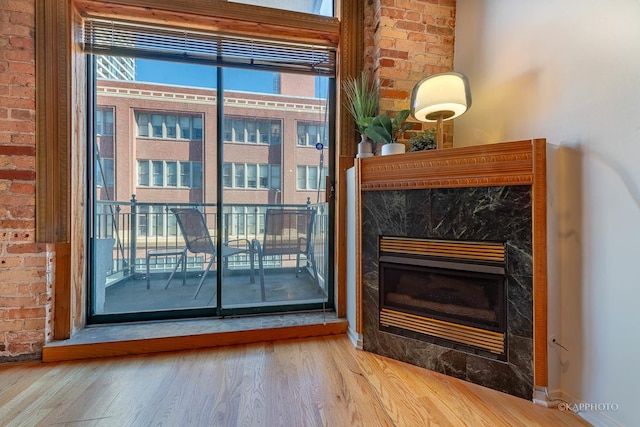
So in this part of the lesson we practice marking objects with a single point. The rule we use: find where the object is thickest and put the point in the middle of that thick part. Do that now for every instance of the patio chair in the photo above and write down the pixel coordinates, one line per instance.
(198, 241)
(286, 232)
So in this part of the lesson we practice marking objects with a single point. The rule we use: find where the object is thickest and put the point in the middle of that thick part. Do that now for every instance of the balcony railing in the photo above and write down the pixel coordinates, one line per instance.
(130, 229)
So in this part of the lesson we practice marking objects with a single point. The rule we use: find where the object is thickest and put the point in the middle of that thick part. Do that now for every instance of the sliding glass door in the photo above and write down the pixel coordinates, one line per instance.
(207, 186)
(273, 190)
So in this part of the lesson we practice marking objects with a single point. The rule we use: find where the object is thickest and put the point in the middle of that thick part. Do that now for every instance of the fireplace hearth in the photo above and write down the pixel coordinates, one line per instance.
(448, 292)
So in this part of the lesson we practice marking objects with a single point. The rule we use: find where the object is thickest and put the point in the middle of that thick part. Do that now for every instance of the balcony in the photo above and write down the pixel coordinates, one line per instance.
(127, 232)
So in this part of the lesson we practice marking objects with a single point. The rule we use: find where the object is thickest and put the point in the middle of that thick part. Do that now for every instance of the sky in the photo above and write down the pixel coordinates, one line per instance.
(178, 73)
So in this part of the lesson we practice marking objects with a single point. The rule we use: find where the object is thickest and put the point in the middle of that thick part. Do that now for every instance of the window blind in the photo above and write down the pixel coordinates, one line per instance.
(121, 38)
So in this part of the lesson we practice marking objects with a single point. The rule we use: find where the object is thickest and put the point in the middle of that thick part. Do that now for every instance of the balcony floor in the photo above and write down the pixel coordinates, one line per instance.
(281, 288)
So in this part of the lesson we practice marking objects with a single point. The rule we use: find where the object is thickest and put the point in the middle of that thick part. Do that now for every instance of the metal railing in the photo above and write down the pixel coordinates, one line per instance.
(137, 227)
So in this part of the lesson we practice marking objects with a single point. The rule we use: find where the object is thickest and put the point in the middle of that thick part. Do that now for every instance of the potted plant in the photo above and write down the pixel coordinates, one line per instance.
(383, 129)
(362, 102)
(423, 141)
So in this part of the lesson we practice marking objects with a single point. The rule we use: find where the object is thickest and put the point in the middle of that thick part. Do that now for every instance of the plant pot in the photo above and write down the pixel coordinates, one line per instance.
(365, 148)
(393, 148)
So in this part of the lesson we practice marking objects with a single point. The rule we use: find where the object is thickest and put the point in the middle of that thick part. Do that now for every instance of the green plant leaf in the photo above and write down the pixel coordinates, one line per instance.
(378, 134)
(400, 119)
(361, 97)
(382, 120)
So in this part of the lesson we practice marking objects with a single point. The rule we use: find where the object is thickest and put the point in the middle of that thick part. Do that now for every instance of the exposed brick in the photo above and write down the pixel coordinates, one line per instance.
(22, 212)
(21, 236)
(18, 114)
(7, 289)
(386, 62)
(16, 150)
(25, 313)
(393, 94)
(19, 30)
(19, 200)
(25, 248)
(22, 92)
(410, 26)
(19, 6)
(11, 325)
(18, 175)
(23, 188)
(23, 139)
(20, 67)
(34, 324)
(27, 19)
(20, 276)
(19, 224)
(25, 162)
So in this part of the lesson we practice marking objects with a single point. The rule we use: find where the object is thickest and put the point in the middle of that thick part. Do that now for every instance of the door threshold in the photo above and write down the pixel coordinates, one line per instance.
(115, 340)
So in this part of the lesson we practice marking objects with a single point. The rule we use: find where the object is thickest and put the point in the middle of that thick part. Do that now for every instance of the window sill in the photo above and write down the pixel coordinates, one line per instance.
(162, 336)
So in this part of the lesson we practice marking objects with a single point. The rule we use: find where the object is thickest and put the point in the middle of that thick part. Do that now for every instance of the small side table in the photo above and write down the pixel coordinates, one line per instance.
(182, 260)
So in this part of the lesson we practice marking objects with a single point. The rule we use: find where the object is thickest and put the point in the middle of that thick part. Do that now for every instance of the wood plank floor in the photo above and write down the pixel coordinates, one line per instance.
(306, 382)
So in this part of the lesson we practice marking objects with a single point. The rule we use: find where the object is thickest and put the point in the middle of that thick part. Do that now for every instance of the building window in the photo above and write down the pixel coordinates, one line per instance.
(309, 134)
(143, 173)
(159, 173)
(169, 126)
(311, 177)
(151, 221)
(104, 172)
(250, 176)
(104, 122)
(185, 174)
(251, 131)
(239, 175)
(172, 174)
(227, 174)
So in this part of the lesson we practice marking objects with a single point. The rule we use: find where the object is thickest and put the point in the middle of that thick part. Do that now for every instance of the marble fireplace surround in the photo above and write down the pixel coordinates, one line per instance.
(488, 192)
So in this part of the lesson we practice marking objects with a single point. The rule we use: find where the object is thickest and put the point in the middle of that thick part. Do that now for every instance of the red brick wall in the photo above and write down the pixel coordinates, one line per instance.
(405, 41)
(23, 287)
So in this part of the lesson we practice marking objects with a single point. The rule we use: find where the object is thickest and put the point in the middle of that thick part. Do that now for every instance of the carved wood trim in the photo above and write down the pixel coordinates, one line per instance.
(350, 54)
(53, 178)
(477, 166)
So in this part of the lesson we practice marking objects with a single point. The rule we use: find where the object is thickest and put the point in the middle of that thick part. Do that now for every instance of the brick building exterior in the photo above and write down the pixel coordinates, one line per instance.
(265, 134)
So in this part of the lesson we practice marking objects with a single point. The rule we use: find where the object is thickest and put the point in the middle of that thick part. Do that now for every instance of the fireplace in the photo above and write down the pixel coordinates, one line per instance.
(490, 198)
(450, 293)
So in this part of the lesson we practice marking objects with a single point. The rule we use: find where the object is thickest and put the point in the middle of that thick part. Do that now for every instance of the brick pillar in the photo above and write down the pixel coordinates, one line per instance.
(23, 292)
(405, 41)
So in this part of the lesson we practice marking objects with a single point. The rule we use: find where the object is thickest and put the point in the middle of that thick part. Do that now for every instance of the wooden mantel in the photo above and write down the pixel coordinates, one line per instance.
(503, 164)
(476, 166)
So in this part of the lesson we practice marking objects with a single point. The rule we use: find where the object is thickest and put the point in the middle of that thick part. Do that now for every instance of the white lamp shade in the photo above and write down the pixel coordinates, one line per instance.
(445, 95)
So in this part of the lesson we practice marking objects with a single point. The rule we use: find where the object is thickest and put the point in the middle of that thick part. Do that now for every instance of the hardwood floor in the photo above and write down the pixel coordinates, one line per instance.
(305, 382)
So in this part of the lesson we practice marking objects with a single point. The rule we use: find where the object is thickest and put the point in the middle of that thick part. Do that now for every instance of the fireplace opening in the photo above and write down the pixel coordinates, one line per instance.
(452, 293)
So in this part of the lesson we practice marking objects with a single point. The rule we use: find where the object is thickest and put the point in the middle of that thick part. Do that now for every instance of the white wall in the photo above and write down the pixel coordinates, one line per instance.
(569, 71)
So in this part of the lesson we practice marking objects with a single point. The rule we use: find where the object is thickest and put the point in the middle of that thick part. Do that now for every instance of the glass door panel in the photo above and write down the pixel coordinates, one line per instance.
(155, 151)
(275, 226)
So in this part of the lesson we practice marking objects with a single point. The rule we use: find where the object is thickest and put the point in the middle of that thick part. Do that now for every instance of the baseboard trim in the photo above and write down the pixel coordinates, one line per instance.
(541, 397)
(355, 338)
